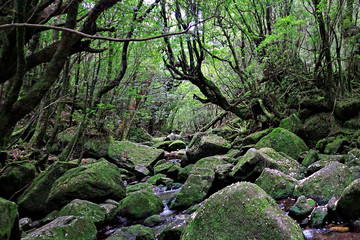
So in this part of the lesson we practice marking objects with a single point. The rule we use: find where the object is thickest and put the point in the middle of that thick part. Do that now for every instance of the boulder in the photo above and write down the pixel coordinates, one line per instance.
(135, 232)
(33, 201)
(139, 187)
(15, 177)
(347, 108)
(163, 166)
(302, 207)
(140, 204)
(111, 209)
(171, 232)
(141, 171)
(318, 216)
(348, 204)
(255, 137)
(311, 157)
(94, 182)
(177, 145)
(8, 219)
(241, 210)
(135, 153)
(195, 188)
(84, 208)
(319, 126)
(209, 145)
(335, 145)
(293, 124)
(250, 166)
(184, 173)
(66, 227)
(284, 141)
(277, 184)
(325, 183)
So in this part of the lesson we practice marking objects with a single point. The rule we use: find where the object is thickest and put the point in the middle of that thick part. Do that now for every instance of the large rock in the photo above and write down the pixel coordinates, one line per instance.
(277, 184)
(242, 210)
(94, 182)
(67, 227)
(348, 204)
(15, 177)
(208, 146)
(284, 141)
(250, 166)
(140, 204)
(319, 126)
(136, 153)
(33, 201)
(325, 183)
(135, 232)
(347, 108)
(78, 207)
(8, 218)
(293, 124)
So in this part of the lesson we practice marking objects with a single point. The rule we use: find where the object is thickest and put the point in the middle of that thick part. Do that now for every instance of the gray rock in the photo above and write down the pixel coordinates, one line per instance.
(302, 207)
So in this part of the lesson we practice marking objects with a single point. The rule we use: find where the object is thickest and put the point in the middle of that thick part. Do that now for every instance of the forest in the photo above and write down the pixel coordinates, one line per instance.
(179, 119)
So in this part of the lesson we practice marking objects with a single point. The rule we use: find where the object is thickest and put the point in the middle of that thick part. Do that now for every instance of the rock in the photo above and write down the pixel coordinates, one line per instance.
(293, 124)
(177, 145)
(195, 188)
(277, 184)
(141, 171)
(184, 173)
(255, 137)
(171, 232)
(15, 177)
(135, 153)
(25, 224)
(154, 179)
(208, 146)
(162, 145)
(355, 171)
(97, 146)
(348, 204)
(302, 207)
(95, 182)
(84, 208)
(111, 210)
(66, 227)
(334, 146)
(255, 215)
(140, 204)
(153, 220)
(318, 216)
(163, 167)
(250, 166)
(197, 138)
(33, 201)
(347, 108)
(325, 183)
(319, 126)
(323, 161)
(173, 172)
(135, 232)
(139, 135)
(311, 157)
(8, 219)
(282, 140)
(139, 187)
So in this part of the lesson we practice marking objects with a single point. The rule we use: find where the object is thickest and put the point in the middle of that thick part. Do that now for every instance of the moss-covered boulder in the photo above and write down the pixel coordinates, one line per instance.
(293, 124)
(195, 188)
(78, 207)
(319, 126)
(135, 232)
(8, 218)
(250, 166)
(318, 216)
(184, 173)
(163, 167)
(171, 232)
(94, 182)
(277, 184)
(136, 153)
(111, 209)
(66, 227)
(348, 204)
(208, 146)
(33, 201)
(241, 210)
(284, 141)
(347, 108)
(15, 177)
(154, 179)
(140, 204)
(325, 183)
(139, 187)
(141, 171)
(302, 207)
(177, 145)
(311, 157)
(255, 137)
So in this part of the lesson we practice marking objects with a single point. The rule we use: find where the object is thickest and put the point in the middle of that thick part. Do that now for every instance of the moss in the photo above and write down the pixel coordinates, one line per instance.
(185, 172)
(318, 216)
(319, 126)
(8, 216)
(335, 145)
(177, 145)
(242, 209)
(135, 232)
(284, 141)
(255, 137)
(140, 204)
(163, 167)
(292, 123)
(210, 162)
(348, 204)
(153, 220)
(154, 179)
(310, 158)
(138, 187)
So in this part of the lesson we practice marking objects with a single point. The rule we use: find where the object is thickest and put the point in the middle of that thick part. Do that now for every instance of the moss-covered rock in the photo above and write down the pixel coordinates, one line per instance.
(293, 124)
(171, 232)
(318, 216)
(66, 227)
(325, 183)
(208, 146)
(136, 232)
(241, 210)
(111, 209)
(139, 187)
(177, 145)
(284, 141)
(78, 207)
(335, 145)
(277, 184)
(154, 179)
(153, 220)
(94, 182)
(162, 145)
(250, 166)
(311, 157)
(323, 161)
(8, 218)
(15, 177)
(163, 167)
(33, 201)
(139, 135)
(184, 173)
(319, 126)
(347, 107)
(141, 171)
(195, 188)
(136, 153)
(140, 204)
(255, 137)
(348, 204)
(302, 207)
